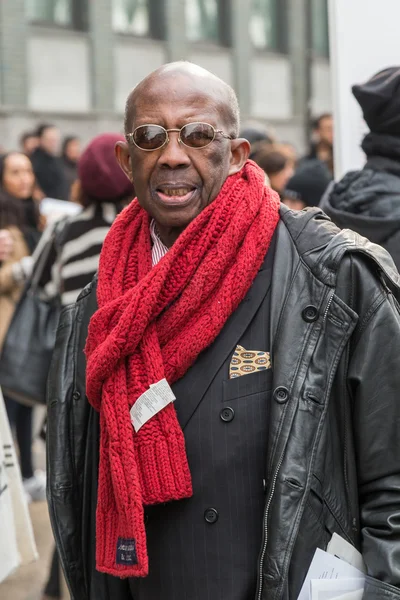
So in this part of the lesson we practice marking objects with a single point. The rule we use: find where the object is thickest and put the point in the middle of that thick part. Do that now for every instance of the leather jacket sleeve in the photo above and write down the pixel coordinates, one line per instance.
(374, 378)
(72, 434)
(63, 478)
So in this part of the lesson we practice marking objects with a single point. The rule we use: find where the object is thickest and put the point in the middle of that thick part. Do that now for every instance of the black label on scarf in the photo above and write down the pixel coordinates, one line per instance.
(126, 552)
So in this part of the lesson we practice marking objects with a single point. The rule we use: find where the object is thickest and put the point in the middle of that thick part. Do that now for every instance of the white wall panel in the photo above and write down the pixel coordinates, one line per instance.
(59, 73)
(322, 88)
(133, 61)
(270, 87)
(218, 62)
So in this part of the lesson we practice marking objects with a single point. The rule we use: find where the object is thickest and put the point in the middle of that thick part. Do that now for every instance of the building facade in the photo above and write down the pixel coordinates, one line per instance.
(73, 62)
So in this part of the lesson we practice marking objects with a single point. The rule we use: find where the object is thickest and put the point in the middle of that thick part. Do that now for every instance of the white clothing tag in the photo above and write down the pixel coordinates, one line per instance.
(157, 397)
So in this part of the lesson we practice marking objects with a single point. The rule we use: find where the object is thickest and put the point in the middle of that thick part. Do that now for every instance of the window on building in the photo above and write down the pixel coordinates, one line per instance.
(267, 30)
(66, 13)
(320, 28)
(51, 11)
(202, 20)
(131, 16)
(145, 18)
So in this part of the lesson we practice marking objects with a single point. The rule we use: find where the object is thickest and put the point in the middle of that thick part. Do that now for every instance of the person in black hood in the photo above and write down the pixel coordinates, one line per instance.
(368, 201)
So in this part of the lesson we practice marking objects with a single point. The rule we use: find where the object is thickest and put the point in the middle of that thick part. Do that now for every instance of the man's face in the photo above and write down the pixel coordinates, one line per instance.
(50, 140)
(325, 131)
(175, 183)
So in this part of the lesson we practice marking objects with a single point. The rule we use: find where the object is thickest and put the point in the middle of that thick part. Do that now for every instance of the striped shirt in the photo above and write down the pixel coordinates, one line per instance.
(158, 250)
(74, 261)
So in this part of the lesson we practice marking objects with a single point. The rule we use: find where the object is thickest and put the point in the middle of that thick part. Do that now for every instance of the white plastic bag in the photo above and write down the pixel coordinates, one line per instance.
(17, 542)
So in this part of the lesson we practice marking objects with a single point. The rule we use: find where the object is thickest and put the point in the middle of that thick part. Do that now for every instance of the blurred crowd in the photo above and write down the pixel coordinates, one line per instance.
(300, 181)
(41, 168)
(54, 162)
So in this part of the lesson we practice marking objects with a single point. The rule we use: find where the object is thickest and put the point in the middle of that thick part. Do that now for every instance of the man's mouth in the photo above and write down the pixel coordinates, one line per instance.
(175, 194)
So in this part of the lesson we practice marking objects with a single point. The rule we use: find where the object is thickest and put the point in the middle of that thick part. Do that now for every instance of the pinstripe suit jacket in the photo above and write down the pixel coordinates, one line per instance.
(206, 547)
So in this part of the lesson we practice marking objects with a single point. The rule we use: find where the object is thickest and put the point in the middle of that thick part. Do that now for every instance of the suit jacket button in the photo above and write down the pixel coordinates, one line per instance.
(310, 314)
(76, 396)
(227, 414)
(281, 394)
(211, 515)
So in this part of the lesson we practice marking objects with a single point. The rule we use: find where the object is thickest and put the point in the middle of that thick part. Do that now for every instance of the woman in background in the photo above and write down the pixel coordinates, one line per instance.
(19, 217)
(17, 181)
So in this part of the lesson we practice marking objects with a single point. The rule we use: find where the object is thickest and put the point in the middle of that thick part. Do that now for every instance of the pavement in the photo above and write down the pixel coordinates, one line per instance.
(27, 583)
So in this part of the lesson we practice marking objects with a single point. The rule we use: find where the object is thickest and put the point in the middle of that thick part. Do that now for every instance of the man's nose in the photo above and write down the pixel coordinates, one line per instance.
(173, 154)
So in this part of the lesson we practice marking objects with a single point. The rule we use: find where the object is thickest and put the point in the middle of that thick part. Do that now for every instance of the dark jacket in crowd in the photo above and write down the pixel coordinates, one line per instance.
(32, 231)
(70, 168)
(331, 458)
(368, 201)
(50, 174)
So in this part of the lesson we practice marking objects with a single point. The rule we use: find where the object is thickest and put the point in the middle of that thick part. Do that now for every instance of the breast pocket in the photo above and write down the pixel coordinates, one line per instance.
(247, 385)
(243, 422)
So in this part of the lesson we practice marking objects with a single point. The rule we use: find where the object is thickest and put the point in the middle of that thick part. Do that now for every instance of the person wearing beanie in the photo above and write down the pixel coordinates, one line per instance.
(102, 189)
(308, 185)
(224, 395)
(368, 200)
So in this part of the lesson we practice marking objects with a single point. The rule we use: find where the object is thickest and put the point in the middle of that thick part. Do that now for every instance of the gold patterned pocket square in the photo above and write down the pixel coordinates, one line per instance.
(244, 362)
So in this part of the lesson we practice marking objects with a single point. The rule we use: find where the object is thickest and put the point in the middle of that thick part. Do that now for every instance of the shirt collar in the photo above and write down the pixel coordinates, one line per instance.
(159, 250)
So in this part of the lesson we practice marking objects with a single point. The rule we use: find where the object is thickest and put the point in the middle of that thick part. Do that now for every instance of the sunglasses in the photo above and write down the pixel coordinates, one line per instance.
(193, 135)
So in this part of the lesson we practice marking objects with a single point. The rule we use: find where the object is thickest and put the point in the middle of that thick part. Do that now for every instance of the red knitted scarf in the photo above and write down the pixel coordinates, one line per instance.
(152, 323)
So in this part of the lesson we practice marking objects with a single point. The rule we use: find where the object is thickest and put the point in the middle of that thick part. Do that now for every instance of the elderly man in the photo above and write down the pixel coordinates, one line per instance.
(239, 401)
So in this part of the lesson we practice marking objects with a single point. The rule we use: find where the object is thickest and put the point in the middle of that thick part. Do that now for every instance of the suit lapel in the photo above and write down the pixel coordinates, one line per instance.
(190, 390)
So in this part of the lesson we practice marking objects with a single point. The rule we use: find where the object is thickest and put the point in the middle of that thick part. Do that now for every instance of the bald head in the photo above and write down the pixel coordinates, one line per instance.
(220, 94)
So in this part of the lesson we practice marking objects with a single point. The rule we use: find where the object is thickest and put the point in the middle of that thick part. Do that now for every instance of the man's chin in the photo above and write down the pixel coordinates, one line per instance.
(176, 211)
(177, 218)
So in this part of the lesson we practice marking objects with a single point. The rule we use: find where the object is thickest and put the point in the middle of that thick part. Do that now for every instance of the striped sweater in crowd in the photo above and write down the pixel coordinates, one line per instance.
(74, 257)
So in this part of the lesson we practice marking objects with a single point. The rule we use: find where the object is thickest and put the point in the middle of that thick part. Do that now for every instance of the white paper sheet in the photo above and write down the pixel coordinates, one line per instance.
(326, 566)
(345, 551)
(357, 595)
(55, 209)
(330, 589)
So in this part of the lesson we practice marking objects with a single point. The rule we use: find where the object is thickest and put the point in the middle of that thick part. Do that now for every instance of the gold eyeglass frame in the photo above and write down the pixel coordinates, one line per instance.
(130, 136)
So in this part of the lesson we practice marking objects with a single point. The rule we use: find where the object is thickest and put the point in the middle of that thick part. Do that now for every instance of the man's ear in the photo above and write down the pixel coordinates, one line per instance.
(240, 150)
(124, 158)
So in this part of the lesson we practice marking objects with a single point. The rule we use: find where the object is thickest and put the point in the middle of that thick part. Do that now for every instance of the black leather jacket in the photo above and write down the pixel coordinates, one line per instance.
(333, 461)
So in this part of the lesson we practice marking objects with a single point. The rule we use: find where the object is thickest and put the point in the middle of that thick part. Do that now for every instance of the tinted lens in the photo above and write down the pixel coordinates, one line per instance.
(149, 137)
(197, 135)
